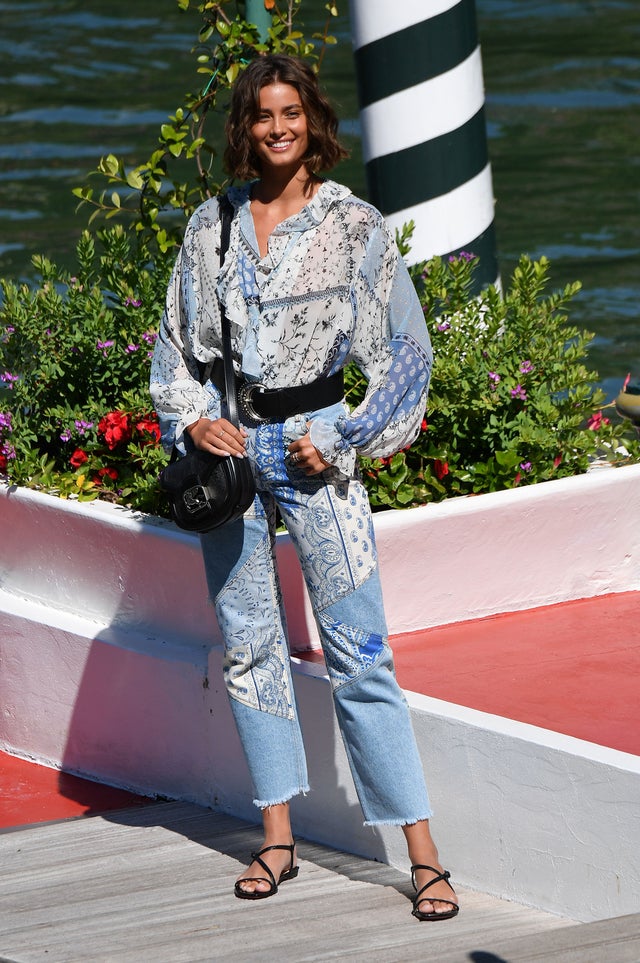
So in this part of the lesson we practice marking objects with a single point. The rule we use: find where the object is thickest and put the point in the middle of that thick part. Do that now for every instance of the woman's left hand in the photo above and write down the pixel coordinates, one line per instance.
(306, 457)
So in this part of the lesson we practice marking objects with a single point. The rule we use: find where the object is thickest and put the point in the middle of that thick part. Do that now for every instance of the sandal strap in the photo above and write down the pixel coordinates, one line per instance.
(257, 858)
(288, 848)
(445, 875)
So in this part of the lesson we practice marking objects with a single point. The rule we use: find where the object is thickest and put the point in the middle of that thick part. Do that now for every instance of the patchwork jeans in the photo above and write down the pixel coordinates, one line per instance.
(329, 521)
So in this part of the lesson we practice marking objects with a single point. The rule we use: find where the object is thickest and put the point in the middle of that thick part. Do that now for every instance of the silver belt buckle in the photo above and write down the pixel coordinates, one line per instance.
(245, 400)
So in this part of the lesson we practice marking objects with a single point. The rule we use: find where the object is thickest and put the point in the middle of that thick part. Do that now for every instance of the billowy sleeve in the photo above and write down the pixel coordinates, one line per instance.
(391, 346)
(189, 331)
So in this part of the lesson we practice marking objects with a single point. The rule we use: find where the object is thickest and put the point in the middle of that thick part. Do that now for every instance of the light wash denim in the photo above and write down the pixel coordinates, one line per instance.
(329, 521)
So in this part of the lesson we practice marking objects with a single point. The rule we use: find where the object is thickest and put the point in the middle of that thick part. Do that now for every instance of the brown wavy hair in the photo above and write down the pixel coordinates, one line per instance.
(324, 149)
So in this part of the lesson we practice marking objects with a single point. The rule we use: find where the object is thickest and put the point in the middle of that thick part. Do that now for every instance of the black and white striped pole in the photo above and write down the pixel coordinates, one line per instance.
(421, 90)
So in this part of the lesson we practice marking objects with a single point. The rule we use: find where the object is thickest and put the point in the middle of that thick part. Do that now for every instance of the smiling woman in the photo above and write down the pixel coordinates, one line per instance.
(311, 280)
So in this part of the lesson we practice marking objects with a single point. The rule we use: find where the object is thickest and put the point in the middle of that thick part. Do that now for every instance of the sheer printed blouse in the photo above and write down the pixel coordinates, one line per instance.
(331, 289)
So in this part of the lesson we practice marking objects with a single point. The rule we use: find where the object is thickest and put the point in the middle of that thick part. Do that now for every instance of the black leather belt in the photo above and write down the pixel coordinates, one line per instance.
(258, 403)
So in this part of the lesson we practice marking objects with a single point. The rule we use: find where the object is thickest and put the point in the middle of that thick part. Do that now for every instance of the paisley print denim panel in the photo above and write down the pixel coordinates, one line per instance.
(256, 656)
(350, 651)
(327, 516)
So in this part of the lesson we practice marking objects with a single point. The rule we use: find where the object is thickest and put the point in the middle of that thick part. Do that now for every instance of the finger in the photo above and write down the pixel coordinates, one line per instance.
(225, 439)
(222, 424)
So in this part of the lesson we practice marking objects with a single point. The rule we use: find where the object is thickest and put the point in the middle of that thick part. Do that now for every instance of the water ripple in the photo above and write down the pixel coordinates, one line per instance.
(87, 116)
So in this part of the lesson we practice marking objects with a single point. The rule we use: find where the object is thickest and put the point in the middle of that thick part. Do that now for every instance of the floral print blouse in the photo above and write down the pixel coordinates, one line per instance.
(331, 289)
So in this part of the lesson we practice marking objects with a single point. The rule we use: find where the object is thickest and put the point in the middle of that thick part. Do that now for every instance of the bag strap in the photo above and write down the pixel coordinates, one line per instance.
(226, 217)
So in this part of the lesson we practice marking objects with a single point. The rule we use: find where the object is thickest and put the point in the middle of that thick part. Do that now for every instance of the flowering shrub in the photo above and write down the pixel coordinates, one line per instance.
(75, 413)
(7, 450)
(511, 401)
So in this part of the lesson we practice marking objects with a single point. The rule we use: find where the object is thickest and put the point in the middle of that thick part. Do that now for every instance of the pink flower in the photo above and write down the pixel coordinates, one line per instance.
(519, 392)
(596, 421)
(104, 346)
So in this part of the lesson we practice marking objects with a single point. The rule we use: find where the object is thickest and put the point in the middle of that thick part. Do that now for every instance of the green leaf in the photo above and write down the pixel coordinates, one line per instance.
(109, 164)
(135, 180)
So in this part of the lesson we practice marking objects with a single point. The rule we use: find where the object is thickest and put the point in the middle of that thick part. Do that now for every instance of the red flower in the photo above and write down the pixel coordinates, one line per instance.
(115, 428)
(424, 425)
(3, 462)
(441, 468)
(109, 472)
(151, 427)
(557, 461)
(517, 479)
(78, 458)
(596, 421)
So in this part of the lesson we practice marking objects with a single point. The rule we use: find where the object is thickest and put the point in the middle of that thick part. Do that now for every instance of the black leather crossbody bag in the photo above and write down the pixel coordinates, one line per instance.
(206, 491)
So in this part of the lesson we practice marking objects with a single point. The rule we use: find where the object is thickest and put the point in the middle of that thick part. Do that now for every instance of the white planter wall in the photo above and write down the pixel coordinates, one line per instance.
(110, 667)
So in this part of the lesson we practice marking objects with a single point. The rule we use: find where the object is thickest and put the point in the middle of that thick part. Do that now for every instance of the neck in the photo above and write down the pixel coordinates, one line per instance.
(285, 187)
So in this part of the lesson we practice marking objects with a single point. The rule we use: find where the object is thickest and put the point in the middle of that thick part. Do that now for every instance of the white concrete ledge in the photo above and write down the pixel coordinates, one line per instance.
(111, 669)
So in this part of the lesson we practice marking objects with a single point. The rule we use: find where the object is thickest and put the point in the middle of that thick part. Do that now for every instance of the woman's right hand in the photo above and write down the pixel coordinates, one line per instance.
(219, 437)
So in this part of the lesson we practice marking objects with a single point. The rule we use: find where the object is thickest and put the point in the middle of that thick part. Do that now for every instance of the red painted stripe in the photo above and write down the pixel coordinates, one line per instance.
(31, 794)
(572, 668)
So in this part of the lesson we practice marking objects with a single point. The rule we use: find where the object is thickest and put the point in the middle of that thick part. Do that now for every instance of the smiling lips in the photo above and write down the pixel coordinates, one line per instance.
(280, 145)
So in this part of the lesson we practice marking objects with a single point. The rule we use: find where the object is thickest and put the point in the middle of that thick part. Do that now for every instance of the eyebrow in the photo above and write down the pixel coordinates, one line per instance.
(267, 110)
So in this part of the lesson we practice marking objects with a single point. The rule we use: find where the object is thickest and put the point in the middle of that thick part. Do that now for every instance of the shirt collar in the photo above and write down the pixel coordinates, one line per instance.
(312, 214)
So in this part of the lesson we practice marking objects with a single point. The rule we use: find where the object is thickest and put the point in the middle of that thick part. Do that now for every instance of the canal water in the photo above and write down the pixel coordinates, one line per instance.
(562, 79)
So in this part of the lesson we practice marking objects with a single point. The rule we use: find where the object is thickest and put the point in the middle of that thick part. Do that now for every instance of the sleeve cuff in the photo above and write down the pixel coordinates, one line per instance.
(333, 447)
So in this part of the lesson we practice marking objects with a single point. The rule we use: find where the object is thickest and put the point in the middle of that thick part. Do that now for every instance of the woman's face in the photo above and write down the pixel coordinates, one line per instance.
(280, 137)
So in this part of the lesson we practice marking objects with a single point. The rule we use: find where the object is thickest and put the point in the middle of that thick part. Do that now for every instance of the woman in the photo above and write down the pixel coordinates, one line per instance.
(312, 280)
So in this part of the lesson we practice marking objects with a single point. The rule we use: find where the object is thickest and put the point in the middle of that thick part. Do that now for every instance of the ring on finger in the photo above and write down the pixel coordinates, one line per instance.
(221, 433)
(295, 458)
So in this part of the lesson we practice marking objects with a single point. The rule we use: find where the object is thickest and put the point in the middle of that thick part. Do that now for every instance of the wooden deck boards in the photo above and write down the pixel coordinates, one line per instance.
(154, 883)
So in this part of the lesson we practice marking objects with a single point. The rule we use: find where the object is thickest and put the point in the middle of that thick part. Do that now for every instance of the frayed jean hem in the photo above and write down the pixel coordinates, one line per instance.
(409, 821)
(263, 804)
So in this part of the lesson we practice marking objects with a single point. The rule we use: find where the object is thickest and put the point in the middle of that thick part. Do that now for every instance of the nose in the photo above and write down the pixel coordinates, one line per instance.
(277, 127)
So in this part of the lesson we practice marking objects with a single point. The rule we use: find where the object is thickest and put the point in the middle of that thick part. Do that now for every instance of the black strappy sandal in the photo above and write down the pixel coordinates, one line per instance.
(418, 898)
(290, 873)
